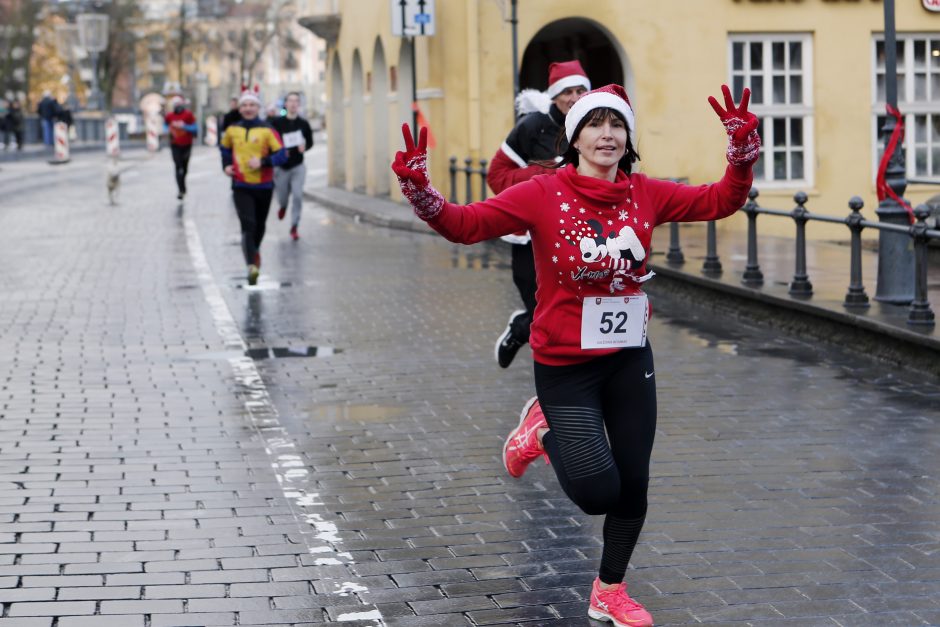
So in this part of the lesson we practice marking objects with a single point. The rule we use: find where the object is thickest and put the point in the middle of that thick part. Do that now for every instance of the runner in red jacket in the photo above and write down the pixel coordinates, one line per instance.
(181, 124)
(591, 226)
(533, 141)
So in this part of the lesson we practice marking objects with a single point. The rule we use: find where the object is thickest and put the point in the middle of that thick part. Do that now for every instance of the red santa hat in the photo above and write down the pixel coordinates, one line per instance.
(610, 97)
(249, 95)
(561, 76)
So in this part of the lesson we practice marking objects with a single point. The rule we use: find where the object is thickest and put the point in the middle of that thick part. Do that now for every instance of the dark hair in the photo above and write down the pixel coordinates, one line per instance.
(601, 114)
(292, 93)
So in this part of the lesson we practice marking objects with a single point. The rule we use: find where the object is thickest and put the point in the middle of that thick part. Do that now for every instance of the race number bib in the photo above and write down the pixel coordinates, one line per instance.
(292, 139)
(614, 322)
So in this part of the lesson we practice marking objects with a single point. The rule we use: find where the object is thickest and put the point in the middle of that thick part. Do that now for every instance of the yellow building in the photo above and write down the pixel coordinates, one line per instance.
(816, 68)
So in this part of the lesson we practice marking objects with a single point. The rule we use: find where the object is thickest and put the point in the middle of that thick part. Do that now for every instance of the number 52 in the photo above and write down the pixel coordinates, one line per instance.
(607, 322)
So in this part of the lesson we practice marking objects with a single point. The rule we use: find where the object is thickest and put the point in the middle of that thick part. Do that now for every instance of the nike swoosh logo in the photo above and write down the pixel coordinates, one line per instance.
(648, 374)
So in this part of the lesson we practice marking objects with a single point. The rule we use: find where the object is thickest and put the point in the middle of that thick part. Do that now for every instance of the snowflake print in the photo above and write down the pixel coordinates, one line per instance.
(610, 223)
(571, 258)
(554, 259)
(562, 221)
(646, 225)
(581, 210)
(623, 215)
(635, 221)
(565, 207)
(636, 206)
(557, 244)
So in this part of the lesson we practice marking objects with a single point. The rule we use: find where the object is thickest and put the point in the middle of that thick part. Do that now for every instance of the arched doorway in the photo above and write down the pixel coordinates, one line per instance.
(574, 38)
(336, 126)
(380, 157)
(357, 125)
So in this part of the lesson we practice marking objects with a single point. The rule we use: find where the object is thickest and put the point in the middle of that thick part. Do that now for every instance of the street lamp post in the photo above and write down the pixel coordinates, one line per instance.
(895, 250)
(93, 35)
(66, 42)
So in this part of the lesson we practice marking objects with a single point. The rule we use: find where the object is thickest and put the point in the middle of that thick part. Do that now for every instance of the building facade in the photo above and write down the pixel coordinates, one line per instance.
(815, 68)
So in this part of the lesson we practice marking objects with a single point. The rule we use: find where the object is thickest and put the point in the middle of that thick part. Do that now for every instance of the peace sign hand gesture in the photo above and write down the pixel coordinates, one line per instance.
(410, 166)
(743, 141)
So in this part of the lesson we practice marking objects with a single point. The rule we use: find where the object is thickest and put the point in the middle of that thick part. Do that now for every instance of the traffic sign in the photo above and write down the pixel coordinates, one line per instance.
(418, 17)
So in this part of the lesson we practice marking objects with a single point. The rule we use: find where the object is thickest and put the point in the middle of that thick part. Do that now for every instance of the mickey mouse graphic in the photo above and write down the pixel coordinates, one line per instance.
(622, 250)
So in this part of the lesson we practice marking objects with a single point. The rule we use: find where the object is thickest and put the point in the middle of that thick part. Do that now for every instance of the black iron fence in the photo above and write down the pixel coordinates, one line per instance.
(469, 172)
(920, 232)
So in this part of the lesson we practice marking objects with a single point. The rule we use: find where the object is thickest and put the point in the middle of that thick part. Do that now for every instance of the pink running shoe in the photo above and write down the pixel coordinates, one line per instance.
(615, 605)
(522, 446)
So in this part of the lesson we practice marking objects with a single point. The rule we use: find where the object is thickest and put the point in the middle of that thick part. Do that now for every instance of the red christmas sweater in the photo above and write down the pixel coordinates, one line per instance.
(590, 238)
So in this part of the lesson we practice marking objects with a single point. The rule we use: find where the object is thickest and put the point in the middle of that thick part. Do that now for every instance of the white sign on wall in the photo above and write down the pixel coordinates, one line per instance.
(932, 5)
(418, 17)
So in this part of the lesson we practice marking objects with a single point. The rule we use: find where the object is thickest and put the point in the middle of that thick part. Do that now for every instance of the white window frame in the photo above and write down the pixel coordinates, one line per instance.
(805, 111)
(906, 103)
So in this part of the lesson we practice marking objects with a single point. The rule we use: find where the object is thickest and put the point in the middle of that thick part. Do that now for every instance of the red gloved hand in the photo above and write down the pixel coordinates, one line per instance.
(411, 169)
(741, 125)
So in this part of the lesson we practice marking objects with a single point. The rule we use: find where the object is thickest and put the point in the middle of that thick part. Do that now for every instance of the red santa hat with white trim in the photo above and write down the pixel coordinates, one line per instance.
(609, 97)
(563, 75)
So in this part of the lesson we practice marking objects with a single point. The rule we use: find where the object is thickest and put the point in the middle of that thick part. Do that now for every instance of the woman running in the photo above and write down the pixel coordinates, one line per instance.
(250, 150)
(591, 225)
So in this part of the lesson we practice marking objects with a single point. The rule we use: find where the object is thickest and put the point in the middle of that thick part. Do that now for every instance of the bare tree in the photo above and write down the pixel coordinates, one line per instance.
(119, 57)
(257, 26)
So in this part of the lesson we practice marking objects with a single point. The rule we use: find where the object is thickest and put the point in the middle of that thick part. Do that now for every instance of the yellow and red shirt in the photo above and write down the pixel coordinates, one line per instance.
(252, 138)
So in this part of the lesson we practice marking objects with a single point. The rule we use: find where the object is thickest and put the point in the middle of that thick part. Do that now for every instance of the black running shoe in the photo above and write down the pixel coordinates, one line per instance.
(508, 343)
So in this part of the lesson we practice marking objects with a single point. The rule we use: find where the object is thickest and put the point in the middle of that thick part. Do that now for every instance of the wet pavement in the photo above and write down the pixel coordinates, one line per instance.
(325, 447)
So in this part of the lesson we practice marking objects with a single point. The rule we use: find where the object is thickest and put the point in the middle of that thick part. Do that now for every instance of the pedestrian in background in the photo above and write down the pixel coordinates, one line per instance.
(250, 151)
(232, 116)
(4, 137)
(13, 124)
(181, 124)
(534, 140)
(289, 177)
(48, 110)
(64, 114)
(591, 226)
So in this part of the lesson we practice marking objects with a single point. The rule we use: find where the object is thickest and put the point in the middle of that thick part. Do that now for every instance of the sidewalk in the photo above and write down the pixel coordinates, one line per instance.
(41, 152)
(880, 330)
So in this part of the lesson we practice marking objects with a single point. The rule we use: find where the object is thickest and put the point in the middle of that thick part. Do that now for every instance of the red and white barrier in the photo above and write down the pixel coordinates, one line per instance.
(153, 133)
(61, 137)
(212, 131)
(112, 139)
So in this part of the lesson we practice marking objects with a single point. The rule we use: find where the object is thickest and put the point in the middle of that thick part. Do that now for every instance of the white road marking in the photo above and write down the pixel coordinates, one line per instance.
(263, 416)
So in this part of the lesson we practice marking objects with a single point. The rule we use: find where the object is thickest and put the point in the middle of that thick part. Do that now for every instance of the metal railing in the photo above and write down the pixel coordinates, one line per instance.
(800, 286)
(469, 172)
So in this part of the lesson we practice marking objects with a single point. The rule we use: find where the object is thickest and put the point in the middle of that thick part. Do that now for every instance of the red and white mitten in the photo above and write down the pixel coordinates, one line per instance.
(411, 168)
(741, 125)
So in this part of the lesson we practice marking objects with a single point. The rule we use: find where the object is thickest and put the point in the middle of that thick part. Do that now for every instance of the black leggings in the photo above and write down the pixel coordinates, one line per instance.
(602, 420)
(181, 162)
(523, 275)
(252, 206)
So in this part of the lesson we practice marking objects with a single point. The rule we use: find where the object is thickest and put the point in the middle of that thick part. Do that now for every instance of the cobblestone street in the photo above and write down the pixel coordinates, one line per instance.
(181, 450)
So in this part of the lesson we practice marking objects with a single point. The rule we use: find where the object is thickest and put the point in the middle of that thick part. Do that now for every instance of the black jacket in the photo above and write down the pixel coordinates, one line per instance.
(285, 126)
(14, 120)
(228, 119)
(48, 108)
(536, 136)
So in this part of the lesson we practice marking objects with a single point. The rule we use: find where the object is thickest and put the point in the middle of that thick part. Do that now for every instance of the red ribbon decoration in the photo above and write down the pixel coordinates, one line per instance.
(884, 190)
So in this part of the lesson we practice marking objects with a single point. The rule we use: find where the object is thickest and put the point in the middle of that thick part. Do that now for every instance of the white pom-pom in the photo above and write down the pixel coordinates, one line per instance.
(530, 100)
